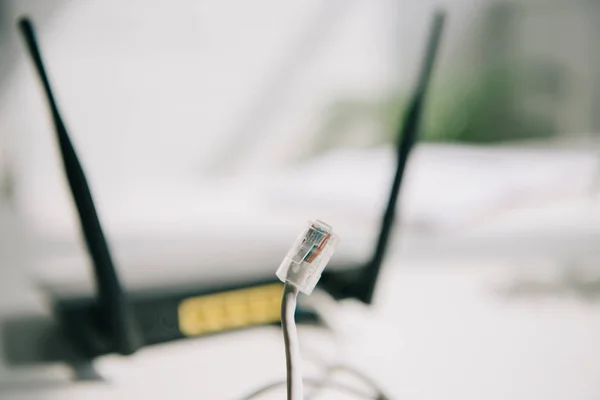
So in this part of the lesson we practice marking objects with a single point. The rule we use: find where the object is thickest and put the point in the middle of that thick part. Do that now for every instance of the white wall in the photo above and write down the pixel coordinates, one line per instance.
(153, 93)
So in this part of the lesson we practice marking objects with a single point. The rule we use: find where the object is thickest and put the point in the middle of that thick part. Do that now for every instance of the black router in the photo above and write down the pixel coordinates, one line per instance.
(118, 321)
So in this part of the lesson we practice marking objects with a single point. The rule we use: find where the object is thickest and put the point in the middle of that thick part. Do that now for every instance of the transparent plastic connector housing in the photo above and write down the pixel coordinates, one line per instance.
(306, 260)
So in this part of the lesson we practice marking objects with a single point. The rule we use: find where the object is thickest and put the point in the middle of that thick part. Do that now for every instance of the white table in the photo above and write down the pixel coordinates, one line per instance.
(437, 331)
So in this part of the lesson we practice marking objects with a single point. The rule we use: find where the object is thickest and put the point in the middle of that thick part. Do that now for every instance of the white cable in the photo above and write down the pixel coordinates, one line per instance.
(293, 357)
(300, 271)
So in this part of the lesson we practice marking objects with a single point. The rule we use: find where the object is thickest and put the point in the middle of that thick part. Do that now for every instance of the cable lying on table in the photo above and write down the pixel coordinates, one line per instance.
(317, 383)
(328, 383)
(300, 271)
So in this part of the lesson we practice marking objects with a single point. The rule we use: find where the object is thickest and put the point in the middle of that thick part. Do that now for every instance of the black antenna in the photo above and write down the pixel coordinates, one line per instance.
(115, 315)
(407, 136)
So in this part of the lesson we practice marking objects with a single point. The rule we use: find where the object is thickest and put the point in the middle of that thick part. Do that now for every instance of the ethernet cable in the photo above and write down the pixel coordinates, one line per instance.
(300, 271)
(327, 310)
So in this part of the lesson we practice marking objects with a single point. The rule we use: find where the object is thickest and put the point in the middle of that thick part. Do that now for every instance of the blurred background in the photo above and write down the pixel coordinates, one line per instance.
(210, 131)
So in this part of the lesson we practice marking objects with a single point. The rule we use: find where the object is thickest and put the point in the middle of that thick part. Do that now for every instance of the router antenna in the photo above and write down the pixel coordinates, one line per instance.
(407, 136)
(115, 315)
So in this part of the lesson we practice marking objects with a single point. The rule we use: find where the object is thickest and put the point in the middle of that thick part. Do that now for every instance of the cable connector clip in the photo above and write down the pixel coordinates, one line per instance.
(306, 260)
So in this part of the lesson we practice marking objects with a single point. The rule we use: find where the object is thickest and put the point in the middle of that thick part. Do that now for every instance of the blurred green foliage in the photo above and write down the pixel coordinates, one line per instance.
(464, 109)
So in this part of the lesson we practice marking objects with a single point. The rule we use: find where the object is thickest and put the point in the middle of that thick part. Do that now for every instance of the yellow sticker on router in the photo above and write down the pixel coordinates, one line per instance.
(230, 310)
